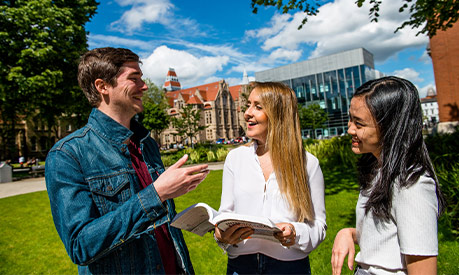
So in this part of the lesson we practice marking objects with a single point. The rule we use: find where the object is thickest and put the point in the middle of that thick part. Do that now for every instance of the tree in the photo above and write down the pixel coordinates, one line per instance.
(154, 116)
(187, 123)
(435, 14)
(40, 44)
(312, 117)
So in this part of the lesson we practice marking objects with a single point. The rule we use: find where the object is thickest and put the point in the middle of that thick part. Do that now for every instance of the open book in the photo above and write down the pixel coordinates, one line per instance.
(200, 218)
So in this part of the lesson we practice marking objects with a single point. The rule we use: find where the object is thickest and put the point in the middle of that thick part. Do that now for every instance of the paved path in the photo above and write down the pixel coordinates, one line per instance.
(38, 184)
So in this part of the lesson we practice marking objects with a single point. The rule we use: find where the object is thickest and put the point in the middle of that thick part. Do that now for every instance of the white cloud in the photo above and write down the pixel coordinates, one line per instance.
(408, 74)
(249, 67)
(282, 54)
(98, 40)
(142, 11)
(340, 26)
(232, 81)
(425, 58)
(278, 21)
(227, 50)
(209, 80)
(424, 89)
(190, 69)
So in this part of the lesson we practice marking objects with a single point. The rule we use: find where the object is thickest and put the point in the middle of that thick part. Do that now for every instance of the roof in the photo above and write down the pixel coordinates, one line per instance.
(208, 92)
(428, 99)
(172, 83)
(200, 94)
(171, 72)
(234, 91)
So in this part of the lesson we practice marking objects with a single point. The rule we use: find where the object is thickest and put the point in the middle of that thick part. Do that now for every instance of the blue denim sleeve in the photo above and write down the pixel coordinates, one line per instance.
(86, 234)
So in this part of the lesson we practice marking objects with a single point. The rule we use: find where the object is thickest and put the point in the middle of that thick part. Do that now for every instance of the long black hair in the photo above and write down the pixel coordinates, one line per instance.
(394, 104)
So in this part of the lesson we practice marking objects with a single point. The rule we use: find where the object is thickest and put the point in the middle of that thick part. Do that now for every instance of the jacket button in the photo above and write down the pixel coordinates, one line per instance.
(158, 267)
(123, 149)
(109, 188)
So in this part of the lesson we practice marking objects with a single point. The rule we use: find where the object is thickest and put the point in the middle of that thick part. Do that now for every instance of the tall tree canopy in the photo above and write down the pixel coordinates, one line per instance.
(154, 116)
(40, 44)
(431, 15)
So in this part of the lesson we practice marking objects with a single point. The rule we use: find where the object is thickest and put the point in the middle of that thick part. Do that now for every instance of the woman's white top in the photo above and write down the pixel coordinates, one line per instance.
(245, 191)
(412, 229)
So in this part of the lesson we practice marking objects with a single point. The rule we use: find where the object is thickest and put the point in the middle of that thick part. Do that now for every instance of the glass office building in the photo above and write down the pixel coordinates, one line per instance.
(329, 81)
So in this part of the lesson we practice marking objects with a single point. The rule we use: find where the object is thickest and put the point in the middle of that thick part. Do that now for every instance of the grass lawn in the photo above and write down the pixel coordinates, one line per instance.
(29, 243)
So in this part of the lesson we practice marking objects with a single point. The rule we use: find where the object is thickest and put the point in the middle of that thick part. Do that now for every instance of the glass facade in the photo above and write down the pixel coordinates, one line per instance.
(329, 81)
(332, 90)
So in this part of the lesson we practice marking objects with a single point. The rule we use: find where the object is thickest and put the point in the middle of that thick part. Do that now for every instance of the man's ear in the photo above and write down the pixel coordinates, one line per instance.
(101, 86)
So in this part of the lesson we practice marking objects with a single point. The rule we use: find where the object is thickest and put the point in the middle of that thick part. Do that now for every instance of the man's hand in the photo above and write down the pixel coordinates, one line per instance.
(342, 247)
(177, 181)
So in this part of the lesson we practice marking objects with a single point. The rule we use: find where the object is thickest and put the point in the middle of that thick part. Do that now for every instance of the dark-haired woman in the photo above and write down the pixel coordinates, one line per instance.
(400, 199)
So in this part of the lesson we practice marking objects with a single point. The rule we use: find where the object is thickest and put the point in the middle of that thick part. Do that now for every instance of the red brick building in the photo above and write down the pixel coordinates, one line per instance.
(444, 50)
(217, 102)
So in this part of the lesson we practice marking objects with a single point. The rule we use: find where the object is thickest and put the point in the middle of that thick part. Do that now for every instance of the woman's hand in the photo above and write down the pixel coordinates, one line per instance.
(233, 235)
(344, 245)
(288, 235)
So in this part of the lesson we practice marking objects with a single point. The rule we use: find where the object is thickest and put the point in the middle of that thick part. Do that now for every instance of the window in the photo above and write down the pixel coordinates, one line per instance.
(33, 144)
(43, 143)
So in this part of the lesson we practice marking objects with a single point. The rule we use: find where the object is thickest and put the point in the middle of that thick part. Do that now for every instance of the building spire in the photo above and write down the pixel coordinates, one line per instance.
(245, 78)
(172, 82)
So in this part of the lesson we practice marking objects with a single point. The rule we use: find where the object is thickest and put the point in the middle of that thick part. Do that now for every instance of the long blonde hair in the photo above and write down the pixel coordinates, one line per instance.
(285, 145)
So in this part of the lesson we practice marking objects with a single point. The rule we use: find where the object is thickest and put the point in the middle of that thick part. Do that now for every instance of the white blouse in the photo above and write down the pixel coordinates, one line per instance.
(245, 191)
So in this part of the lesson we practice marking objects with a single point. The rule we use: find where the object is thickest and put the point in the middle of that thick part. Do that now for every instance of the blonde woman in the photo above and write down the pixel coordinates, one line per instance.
(273, 177)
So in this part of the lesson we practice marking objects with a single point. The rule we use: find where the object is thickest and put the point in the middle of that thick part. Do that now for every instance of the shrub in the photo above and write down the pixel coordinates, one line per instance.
(449, 185)
(444, 152)
(171, 158)
(221, 154)
(211, 156)
(194, 157)
(168, 160)
(333, 153)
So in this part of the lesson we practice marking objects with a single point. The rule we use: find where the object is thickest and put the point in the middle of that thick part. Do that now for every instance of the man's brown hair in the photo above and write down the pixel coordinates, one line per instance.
(103, 63)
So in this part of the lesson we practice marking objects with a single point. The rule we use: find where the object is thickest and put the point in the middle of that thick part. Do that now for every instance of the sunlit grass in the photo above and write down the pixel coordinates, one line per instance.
(29, 243)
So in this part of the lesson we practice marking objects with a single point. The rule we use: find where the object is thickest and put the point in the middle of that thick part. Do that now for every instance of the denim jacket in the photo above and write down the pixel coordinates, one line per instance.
(103, 218)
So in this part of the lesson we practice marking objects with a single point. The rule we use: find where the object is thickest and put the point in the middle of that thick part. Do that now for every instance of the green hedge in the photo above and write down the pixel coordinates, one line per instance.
(334, 153)
(444, 152)
(202, 153)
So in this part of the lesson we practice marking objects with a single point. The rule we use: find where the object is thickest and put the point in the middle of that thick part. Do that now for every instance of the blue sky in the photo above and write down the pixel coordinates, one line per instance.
(206, 41)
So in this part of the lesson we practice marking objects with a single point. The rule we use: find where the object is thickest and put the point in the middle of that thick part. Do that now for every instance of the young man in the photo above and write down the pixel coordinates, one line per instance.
(110, 197)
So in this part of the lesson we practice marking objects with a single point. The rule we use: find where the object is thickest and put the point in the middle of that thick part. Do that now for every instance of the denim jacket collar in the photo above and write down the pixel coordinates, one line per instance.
(112, 130)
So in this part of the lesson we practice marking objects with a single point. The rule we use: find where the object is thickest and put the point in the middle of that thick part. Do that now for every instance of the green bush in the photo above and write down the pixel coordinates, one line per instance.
(333, 153)
(211, 157)
(449, 185)
(194, 157)
(172, 157)
(168, 160)
(221, 154)
(202, 153)
(444, 152)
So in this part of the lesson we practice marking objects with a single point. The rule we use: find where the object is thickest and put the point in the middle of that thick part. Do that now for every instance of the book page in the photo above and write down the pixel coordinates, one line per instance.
(195, 219)
(263, 227)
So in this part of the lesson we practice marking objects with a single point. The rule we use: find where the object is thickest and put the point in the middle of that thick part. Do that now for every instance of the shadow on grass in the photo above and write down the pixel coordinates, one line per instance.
(337, 180)
(348, 219)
